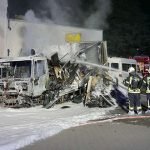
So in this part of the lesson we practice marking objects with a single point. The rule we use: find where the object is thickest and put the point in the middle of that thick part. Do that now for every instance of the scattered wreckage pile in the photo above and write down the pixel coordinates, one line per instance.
(36, 80)
(78, 83)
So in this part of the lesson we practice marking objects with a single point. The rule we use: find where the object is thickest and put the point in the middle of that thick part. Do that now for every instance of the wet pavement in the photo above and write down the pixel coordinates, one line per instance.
(136, 121)
(128, 133)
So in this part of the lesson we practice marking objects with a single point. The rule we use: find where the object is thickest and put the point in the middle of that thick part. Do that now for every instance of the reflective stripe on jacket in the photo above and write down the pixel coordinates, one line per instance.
(128, 83)
(146, 80)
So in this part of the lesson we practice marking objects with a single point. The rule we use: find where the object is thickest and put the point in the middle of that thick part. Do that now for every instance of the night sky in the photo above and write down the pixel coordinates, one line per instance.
(120, 19)
(20, 7)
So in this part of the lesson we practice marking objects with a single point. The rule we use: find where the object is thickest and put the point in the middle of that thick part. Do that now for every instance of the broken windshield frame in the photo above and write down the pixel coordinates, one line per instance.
(15, 69)
(20, 69)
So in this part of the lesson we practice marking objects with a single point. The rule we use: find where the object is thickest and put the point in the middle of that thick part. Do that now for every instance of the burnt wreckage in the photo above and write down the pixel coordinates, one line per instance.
(38, 80)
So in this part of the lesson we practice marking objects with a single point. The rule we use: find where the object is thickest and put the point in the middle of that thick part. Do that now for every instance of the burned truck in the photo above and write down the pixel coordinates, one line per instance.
(32, 80)
(23, 80)
(37, 79)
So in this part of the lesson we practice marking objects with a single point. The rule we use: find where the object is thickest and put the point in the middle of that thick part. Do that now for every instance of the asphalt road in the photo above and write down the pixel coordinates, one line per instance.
(116, 134)
(126, 134)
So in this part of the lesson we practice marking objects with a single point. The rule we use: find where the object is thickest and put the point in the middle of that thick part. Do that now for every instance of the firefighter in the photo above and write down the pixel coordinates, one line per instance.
(146, 81)
(133, 82)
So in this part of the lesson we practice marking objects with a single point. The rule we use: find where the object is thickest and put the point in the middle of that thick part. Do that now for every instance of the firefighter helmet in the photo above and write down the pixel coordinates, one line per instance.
(131, 69)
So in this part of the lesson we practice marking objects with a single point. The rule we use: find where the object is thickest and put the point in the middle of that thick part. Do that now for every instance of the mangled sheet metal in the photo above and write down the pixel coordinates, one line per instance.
(84, 77)
(34, 80)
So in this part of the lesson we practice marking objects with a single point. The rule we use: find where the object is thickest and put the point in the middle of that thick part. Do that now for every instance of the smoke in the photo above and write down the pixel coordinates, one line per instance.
(97, 19)
(33, 38)
(36, 37)
(30, 17)
(3, 14)
(3, 25)
(63, 12)
(70, 12)
(3, 8)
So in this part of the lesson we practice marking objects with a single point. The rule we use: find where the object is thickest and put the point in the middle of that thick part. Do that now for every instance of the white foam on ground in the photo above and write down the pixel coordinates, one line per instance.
(21, 127)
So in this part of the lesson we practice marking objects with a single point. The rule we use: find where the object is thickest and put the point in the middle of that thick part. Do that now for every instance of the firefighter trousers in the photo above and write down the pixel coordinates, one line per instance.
(134, 101)
(148, 100)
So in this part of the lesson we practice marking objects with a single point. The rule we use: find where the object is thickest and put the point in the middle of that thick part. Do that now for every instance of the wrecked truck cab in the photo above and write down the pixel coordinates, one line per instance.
(25, 79)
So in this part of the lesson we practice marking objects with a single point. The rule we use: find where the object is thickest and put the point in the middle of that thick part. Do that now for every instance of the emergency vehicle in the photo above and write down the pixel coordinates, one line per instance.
(118, 67)
(143, 63)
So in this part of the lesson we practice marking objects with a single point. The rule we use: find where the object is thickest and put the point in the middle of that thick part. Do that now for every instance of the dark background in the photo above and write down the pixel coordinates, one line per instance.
(128, 21)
